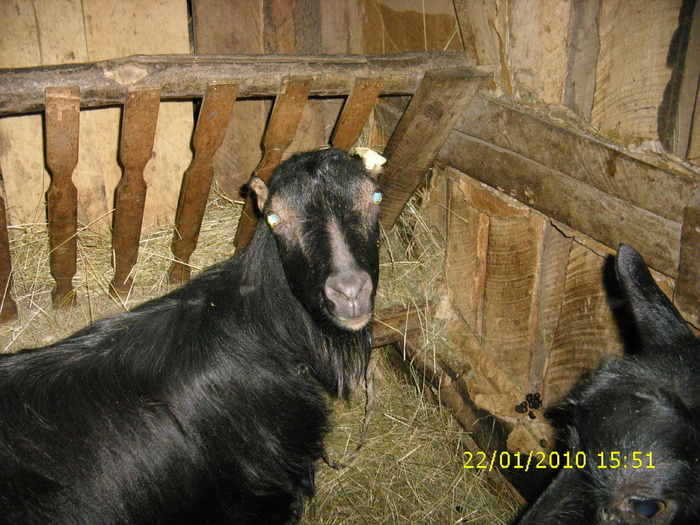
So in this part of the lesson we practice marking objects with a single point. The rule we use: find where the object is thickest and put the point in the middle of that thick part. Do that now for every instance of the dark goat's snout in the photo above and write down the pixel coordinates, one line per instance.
(349, 296)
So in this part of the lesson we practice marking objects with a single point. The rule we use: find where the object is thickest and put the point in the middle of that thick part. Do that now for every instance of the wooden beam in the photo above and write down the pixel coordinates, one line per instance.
(135, 150)
(584, 183)
(187, 76)
(435, 108)
(687, 293)
(8, 307)
(286, 114)
(211, 127)
(62, 128)
(356, 111)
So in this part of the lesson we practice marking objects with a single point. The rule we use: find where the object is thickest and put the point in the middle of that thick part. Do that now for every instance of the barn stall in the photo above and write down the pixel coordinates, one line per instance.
(525, 141)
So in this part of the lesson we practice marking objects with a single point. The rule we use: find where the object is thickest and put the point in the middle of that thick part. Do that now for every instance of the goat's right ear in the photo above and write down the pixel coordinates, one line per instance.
(658, 322)
(258, 185)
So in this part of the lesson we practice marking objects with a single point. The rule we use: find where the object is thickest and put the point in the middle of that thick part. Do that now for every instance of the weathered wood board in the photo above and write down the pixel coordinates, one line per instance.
(631, 71)
(92, 30)
(581, 182)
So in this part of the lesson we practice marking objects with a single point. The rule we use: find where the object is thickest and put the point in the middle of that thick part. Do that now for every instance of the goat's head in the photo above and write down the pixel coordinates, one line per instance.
(323, 209)
(637, 421)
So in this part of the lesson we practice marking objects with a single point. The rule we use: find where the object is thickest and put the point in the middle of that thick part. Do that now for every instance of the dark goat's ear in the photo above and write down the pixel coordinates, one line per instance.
(257, 185)
(658, 322)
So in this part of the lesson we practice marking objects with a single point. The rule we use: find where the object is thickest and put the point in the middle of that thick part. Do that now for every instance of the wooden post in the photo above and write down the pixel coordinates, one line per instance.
(687, 293)
(213, 120)
(62, 126)
(356, 111)
(135, 150)
(8, 307)
(436, 106)
(284, 121)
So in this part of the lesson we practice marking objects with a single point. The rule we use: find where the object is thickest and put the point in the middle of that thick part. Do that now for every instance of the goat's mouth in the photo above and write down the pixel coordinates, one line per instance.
(354, 324)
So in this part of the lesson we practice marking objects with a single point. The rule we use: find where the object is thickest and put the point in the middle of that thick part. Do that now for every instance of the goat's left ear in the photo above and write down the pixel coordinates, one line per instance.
(659, 323)
(258, 185)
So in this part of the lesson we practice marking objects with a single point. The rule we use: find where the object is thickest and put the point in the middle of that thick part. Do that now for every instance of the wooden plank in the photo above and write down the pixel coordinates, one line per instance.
(106, 83)
(512, 276)
(435, 107)
(627, 98)
(395, 26)
(584, 47)
(480, 39)
(465, 255)
(597, 164)
(554, 262)
(606, 218)
(214, 116)
(538, 47)
(8, 307)
(136, 147)
(687, 293)
(231, 27)
(586, 330)
(685, 82)
(357, 109)
(62, 135)
(279, 135)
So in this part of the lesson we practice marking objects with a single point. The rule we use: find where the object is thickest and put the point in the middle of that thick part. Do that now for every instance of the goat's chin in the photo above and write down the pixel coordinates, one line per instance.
(353, 325)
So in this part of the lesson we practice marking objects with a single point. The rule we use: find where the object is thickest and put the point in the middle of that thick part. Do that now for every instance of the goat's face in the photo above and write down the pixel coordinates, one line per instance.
(636, 421)
(323, 209)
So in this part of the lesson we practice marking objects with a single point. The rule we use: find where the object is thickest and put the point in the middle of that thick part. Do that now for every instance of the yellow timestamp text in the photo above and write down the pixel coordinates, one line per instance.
(543, 460)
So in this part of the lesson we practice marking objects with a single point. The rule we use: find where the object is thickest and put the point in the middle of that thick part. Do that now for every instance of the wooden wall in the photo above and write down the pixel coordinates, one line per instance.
(49, 32)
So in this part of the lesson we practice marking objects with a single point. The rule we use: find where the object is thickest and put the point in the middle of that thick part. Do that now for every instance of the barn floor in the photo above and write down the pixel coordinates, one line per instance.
(410, 468)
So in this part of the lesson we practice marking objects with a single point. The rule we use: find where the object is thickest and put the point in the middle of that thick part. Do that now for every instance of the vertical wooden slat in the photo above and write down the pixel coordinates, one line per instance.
(434, 110)
(62, 127)
(213, 120)
(284, 121)
(687, 294)
(8, 307)
(356, 111)
(135, 150)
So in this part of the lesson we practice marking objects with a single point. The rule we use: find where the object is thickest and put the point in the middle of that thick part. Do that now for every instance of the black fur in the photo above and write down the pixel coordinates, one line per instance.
(205, 405)
(648, 402)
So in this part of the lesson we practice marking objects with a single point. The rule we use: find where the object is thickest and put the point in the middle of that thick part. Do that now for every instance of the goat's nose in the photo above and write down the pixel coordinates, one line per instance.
(350, 295)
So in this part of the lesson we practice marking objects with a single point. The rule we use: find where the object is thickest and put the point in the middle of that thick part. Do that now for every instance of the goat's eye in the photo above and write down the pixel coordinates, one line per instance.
(273, 219)
(377, 197)
(647, 508)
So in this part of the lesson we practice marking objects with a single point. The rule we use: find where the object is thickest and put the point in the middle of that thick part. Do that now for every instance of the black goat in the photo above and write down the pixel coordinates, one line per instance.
(206, 405)
(635, 423)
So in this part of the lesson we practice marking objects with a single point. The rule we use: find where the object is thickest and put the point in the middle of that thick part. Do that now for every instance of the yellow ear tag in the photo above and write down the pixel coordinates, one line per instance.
(273, 220)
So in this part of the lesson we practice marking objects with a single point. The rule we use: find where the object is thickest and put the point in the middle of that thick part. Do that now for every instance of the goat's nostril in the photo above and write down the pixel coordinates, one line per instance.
(350, 293)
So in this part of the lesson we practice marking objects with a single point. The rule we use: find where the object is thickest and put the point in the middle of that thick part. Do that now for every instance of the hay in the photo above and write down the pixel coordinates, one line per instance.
(410, 468)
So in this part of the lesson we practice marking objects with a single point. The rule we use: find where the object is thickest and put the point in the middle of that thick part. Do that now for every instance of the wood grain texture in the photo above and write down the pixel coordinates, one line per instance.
(465, 256)
(135, 150)
(214, 116)
(584, 47)
(286, 114)
(356, 110)
(435, 107)
(512, 276)
(538, 52)
(687, 293)
(550, 292)
(586, 330)
(631, 71)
